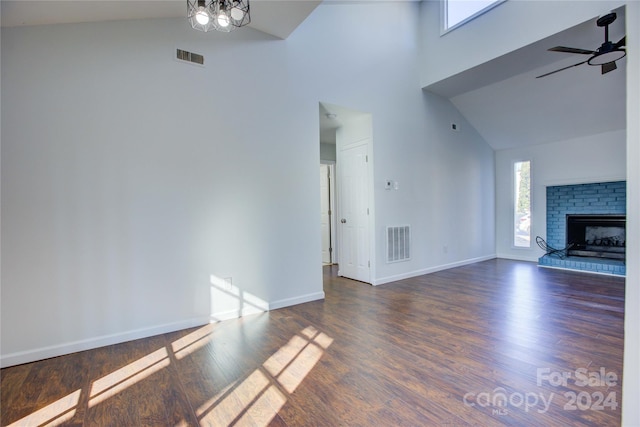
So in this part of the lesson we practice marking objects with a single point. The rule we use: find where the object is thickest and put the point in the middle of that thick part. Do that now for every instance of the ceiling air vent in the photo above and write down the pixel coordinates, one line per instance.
(194, 58)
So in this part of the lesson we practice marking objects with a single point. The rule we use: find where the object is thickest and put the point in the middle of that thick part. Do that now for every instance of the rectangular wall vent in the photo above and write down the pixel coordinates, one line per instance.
(184, 55)
(398, 243)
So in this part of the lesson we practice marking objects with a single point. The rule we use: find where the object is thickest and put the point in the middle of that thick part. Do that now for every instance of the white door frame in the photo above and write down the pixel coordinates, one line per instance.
(332, 207)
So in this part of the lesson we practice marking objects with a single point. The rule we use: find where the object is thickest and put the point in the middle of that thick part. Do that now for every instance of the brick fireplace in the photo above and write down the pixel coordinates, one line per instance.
(594, 208)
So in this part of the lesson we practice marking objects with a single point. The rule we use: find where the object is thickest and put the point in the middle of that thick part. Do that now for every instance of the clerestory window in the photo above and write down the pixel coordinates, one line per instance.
(459, 12)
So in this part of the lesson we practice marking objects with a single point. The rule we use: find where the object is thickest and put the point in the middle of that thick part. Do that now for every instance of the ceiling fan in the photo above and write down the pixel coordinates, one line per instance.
(605, 56)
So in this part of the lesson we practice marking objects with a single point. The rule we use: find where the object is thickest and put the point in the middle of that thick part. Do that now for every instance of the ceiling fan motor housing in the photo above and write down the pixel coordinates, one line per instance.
(607, 19)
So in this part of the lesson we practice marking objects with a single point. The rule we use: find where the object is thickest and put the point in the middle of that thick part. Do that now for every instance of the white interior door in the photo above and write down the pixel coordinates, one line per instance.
(354, 212)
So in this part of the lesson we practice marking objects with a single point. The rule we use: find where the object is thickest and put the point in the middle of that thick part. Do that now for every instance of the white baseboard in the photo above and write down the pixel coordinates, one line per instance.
(295, 301)
(429, 270)
(529, 258)
(41, 353)
(235, 314)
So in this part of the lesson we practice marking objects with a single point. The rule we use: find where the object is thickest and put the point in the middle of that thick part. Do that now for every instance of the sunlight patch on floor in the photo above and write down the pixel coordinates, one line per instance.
(54, 414)
(193, 342)
(259, 398)
(293, 361)
(117, 381)
(256, 400)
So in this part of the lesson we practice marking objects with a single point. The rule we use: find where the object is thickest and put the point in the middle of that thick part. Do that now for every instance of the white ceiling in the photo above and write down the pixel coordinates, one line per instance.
(330, 120)
(332, 117)
(509, 107)
(276, 17)
(501, 99)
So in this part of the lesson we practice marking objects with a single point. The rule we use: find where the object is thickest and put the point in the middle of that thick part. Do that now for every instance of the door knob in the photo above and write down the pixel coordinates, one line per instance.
(344, 221)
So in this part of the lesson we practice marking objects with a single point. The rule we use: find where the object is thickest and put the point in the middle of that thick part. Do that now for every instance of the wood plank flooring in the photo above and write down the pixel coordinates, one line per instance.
(494, 343)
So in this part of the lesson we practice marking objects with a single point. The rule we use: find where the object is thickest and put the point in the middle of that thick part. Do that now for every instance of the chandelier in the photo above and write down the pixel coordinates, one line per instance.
(221, 15)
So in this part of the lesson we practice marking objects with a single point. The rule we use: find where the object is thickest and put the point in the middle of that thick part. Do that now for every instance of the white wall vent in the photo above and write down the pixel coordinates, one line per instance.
(398, 243)
(194, 58)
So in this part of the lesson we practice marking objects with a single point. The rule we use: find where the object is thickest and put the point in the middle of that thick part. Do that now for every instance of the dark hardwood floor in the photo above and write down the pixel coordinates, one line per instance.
(494, 343)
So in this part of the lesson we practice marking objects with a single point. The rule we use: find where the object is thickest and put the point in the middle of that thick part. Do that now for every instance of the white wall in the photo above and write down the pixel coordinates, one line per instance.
(631, 381)
(129, 179)
(446, 190)
(507, 27)
(596, 158)
(328, 152)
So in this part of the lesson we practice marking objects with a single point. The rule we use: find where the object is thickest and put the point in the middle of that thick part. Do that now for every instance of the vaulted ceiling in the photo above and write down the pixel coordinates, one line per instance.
(505, 102)
(275, 17)
(502, 99)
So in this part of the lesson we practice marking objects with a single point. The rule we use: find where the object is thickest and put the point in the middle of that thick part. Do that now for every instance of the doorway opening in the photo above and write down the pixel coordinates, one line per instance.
(346, 143)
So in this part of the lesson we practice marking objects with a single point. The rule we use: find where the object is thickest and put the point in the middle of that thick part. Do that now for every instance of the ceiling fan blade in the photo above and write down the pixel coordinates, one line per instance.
(562, 69)
(609, 66)
(571, 50)
(620, 43)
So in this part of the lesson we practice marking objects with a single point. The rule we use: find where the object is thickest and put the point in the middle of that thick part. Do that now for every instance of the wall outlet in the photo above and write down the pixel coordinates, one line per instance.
(228, 283)
(445, 249)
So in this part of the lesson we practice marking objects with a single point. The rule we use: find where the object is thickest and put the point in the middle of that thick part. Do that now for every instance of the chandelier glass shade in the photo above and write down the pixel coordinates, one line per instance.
(221, 15)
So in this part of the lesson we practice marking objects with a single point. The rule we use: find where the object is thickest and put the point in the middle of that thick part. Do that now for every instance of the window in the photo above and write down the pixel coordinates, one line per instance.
(522, 204)
(458, 12)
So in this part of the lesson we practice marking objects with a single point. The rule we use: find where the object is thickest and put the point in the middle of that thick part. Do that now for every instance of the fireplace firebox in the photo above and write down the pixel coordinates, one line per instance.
(597, 236)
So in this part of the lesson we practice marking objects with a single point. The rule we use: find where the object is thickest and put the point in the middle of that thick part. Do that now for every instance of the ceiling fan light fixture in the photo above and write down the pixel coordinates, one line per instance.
(237, 14)
(221, 15)
(607, 57)
(223, 22)
(202, 16)
(199, 15)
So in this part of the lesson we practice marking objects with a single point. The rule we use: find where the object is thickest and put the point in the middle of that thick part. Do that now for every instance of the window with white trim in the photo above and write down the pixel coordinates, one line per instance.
(522, 204)
(459, 12)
